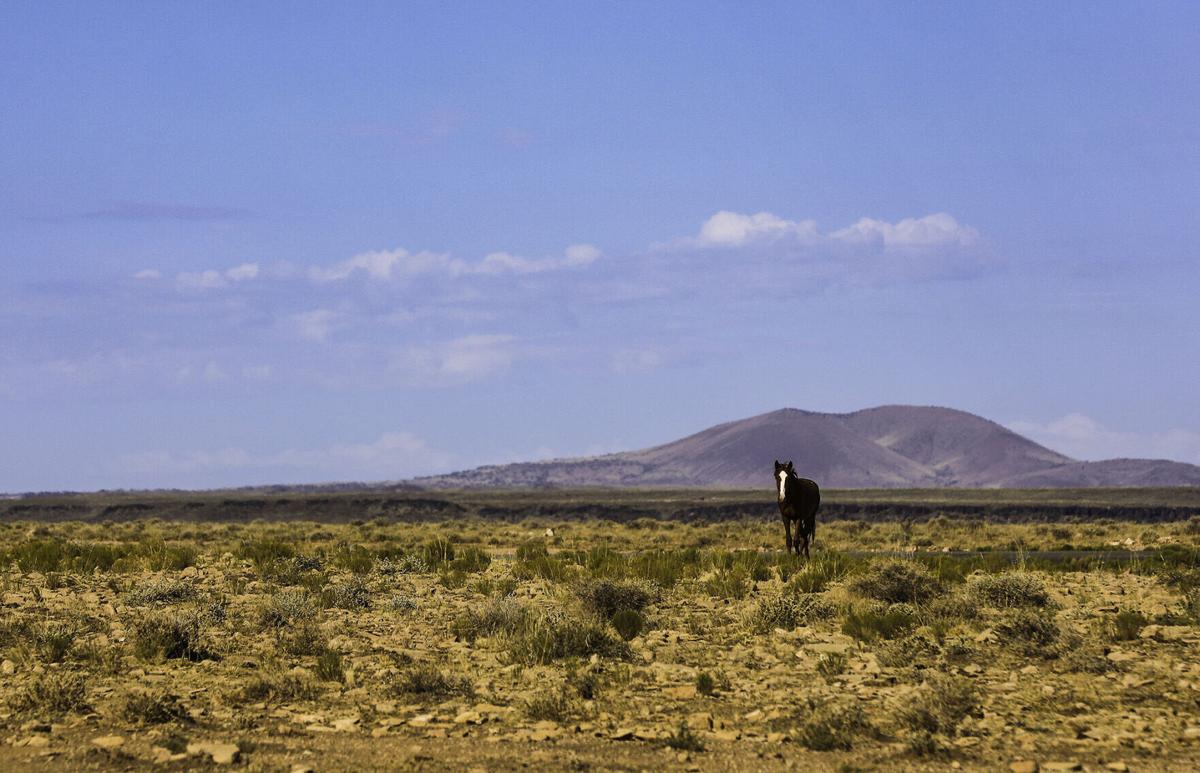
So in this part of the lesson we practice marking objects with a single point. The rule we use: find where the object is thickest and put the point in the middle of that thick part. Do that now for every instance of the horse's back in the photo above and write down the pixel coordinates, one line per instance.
(808, 496)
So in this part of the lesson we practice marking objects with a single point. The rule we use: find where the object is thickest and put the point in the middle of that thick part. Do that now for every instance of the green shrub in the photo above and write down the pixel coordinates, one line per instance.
(303, 638)
(352, 558)
(437, 552)
(552, 704)
(266, 554)
(471, 559)
(532, 550)
(705, 684)
(543, 567)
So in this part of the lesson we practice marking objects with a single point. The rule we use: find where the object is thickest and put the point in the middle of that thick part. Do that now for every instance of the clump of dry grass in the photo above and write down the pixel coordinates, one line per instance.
(427, 680)
(897, 582)
(789, 610)
(167, 634)
(52, 694)
(1007, 590)
(935, 713)
(152, 707)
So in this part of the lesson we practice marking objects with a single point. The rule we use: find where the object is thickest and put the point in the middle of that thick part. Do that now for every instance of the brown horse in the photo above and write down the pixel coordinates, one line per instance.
(799, 500)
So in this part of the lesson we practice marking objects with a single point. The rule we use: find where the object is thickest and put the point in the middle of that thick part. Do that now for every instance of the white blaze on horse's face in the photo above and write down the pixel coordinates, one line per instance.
(783, 476)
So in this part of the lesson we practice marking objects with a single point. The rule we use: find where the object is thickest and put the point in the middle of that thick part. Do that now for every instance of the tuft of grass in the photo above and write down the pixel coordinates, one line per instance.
(897, 582)
(52, 694)
(304, 638)
(788, 610)
(554, 634)
(353, 558)
(330, 667)
(824, 726)
(543, 567)
(1126, 625)
(871, 622)
(553, 704)
(705, 684)
(352, 594)
(437, 552)
(427, 680)
(286, 608)
(608, 597)
(1007, 590)
(401, 603)
(816, 573)
(168, 634)
(53, 640)
(1032, 631)
(831, 665)
(936, 712)
(628, 623)
(728, 584)
(279, 686)
(160, 591)
(152, 707)
(683, 739)
(500, 616)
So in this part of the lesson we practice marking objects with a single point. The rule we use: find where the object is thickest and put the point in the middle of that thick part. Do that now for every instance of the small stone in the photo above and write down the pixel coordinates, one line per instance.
(346, 724)
(108, 742)
(468, 717)
(1024, 766)
(776, 737)
(622, 734)
(683, 692)
(1118, 766)
(700, 720)
(8, 668)
(300, 767)
(38, 741)
(221, 753)
(1061, 765)
(1191, 734)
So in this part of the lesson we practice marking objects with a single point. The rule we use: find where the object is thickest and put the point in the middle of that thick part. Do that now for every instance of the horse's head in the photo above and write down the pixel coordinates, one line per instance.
(784, 467)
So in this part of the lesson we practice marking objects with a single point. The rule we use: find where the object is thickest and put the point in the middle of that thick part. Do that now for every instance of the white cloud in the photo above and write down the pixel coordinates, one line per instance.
(732, 229)
(392, 455)
(636, 360)
(386, 265)
(1082, 437)
(459, 360)
(242, 272)
(211, 279)
(315, 325)
(932, 231)
(148, 273)
(581, 255)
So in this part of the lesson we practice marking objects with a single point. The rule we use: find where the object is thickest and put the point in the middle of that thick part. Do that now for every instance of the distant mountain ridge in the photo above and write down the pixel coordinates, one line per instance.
(892, 446)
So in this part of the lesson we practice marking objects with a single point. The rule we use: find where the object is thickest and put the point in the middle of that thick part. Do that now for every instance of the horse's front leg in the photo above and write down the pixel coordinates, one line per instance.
(787, 533)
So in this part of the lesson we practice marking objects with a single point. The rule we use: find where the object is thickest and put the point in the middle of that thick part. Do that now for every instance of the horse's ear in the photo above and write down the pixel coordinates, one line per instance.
(776, 462)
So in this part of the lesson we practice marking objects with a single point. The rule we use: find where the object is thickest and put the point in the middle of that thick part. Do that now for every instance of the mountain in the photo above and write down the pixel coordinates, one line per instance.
(890, 446)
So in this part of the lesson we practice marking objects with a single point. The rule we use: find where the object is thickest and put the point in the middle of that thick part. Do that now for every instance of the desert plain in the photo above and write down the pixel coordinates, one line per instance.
(601, 631)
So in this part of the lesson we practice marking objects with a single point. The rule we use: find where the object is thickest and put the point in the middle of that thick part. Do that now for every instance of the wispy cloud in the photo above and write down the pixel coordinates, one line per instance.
(315, 325)
(392, 455)
(734, 229)
(387, 265)
(458, 360)
(209, 279)
(151, 211)
(1083, 437)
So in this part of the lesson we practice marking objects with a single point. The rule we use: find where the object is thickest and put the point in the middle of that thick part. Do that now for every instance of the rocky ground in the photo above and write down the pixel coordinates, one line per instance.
(384, 647)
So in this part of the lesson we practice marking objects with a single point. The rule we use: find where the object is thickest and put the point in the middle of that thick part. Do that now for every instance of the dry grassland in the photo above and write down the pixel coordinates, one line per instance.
(595, 645)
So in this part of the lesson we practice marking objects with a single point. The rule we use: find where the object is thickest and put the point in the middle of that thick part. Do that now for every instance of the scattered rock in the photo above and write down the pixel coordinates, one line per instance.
(1062, 765)
(8, 668)
(109, 742)
(622, 734)
(221, 753)
(1023, 766)
(700, 720)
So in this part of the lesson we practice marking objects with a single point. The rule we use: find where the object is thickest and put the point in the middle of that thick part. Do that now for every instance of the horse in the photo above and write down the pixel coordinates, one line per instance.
(799, 500)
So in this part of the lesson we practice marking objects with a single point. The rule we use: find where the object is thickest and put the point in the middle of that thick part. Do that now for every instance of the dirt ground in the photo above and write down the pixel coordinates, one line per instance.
(595, 646)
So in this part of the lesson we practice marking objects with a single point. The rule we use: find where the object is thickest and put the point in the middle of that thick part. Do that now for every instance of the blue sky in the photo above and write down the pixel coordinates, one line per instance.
(247, 242)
